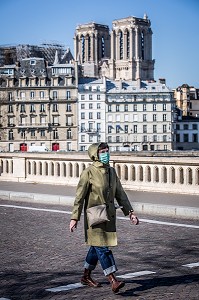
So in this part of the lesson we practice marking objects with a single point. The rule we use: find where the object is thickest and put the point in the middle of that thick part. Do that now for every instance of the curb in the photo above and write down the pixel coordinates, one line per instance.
(145, 208)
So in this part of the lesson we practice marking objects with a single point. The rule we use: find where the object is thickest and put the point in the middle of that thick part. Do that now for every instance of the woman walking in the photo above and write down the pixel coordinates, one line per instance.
(98, 185)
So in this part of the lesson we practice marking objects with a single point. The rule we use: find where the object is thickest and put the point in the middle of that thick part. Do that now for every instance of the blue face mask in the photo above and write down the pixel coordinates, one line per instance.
(104, 157)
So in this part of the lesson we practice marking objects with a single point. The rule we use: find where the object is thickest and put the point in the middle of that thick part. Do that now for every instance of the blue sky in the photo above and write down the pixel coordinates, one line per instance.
(174, 24)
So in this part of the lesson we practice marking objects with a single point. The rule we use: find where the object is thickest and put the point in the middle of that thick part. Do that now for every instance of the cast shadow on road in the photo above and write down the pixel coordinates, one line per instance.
(144, 285)
(18, 285)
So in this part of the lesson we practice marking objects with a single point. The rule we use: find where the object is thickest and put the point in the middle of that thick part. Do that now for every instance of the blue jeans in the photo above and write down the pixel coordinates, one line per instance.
(104, 255)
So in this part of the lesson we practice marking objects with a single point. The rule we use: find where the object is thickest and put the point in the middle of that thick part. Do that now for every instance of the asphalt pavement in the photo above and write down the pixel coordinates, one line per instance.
(41, 259)
(166, 204)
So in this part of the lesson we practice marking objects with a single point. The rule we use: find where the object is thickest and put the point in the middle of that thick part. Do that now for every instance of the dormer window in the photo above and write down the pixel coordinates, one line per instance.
(32, 62)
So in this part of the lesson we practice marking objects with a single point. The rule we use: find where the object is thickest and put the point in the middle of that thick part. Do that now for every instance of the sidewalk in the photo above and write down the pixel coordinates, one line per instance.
(167, 204)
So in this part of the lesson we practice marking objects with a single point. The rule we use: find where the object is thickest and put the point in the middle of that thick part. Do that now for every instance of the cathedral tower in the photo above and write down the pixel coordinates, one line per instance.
(91, 44)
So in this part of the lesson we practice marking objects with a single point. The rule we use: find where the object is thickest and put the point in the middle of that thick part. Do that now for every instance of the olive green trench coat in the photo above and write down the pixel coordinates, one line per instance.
(99, 184)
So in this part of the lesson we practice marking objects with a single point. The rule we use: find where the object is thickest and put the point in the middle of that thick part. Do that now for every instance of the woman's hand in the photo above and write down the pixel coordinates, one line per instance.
(133, 218)
(73, 225)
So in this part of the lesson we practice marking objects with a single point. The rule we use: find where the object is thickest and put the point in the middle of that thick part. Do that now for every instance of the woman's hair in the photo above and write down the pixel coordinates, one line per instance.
(103, 146)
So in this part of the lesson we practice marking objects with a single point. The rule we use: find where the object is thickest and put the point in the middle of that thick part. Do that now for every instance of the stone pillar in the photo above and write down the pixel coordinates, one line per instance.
(113, 45)
(125, 45)
(96, 48)
(137, 46)
(19, 168)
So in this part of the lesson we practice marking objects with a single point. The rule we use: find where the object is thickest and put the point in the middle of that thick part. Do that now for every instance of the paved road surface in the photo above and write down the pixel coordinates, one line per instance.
(41, 259)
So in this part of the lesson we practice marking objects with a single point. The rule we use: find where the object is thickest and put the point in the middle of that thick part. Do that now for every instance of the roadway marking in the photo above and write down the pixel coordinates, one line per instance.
(193, 265)
(120, 218)
(135, 274)
(79, 285)
(162, 223)
(67, 287)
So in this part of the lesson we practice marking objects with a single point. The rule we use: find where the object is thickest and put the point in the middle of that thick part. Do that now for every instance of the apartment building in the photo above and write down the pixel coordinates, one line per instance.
(140, 115)
(187, 100)
(38, 105)
(91, 112)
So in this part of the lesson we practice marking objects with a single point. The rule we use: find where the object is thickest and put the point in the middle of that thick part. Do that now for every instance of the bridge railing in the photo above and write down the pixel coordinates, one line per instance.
(172, 174)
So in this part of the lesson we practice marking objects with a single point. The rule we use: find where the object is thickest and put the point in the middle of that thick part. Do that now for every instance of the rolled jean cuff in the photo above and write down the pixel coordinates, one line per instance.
(89, 267)
(110, 270)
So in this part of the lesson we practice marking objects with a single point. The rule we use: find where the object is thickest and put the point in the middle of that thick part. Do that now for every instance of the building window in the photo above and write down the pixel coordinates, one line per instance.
(109, 139)
(126, 128)
(32, 62)
(135, 128)
(55, 107)
(117, 128)
(164, 117)
(82, 138)
(177, 126)
(10, 135)
(90, 97)
(98, 105)
(90, 105)
(90, 138)
(55, 120)
(154, 107)
(67, 95)
(155, 138)
(178, 138)
(32, 133)
(164, 128)
(98, 127)
(55, 134)
(82, 97)
(98, 115)
(41, 94)
(144, 118)
(42, 133)
(186, 126)
(54, 95)
(23, 134)
(69, 134)
(154, 128)
(117, 107)
(32, 95)
(135, 107)
(164, 138)
(144, 128)
(195, 138)
(90, 116)
(117, 139)
(109, 108)
(90, 127)
(42, 107)
(117, 118)
(82, 128)
(22, 110)
(186, 138)
(68, 107)
(32, 108)
(110, 129)
(98, 97)
(126, 108)
(195, 126)
(10, 96)
(144, 107)
(144, 138)
(154, 118)
(164, 107)
(10, 108)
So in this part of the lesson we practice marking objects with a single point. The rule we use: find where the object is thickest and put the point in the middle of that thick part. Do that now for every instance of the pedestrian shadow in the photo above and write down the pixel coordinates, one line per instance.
(148, 284)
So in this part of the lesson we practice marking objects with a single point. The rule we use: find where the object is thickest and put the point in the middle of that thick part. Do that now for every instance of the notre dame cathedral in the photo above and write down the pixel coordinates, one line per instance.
(124, 53)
